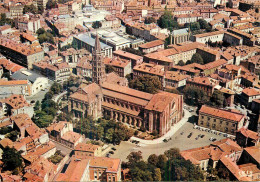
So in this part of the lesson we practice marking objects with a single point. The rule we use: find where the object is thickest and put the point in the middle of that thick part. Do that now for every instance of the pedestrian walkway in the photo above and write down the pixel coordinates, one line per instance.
(169, 134)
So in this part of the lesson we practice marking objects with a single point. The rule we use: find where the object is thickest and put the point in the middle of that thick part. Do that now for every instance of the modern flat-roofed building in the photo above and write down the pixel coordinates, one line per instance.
(87, 42)
(112, 39)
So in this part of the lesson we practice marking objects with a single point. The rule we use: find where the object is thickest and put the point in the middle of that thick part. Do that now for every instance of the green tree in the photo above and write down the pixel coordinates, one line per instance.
(194, 26)
(153, 159)
(50, 4)
(96, 24)
(110, 69)
(44, 36)
(167, 21)
(100, 132)
(30, 9)
(13, 135)
(134, 157)
(48, 95)
(56, 88)
(157, 175)
(178, 169)
(196, 58)
(109, 135)
(203, 24)
(149, 20)
(37, 106)
(40, 31)
(41, 119)
(133, 51)
(5, 20)
(195, 96)
(12, 159)
(217, 99)
(146, 83)
(6, 129)
(162, 159)
(48, 103)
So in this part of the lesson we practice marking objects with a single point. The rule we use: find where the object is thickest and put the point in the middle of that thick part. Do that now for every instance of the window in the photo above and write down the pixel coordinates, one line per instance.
(213, 126)
(215, 120)
(207, 124)
(208, 118)
(95, 174)
(226, 123)
(202, 117)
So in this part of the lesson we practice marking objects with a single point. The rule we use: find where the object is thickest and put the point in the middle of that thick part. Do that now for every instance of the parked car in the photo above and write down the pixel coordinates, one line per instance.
(190, 135)
(113, 148)
(111, 152)
(202, 136)
(107, 155)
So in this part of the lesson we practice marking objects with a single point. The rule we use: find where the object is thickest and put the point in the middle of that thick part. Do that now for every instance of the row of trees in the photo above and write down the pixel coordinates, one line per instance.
(45, 36)
(146, 83)
(46, 111)
(133, 51)
(170, 166)
(4, 20)
(105, 130)
(167, 21)
(197, 97)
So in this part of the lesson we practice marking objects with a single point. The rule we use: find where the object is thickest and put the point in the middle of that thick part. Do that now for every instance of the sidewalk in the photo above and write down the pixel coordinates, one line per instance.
(169, 134)
(57, 97)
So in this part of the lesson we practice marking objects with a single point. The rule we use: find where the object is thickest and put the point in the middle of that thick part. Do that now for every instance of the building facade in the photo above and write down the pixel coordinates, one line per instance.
(221, 120)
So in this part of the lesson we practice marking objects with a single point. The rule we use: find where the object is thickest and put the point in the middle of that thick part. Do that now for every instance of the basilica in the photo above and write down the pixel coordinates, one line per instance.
(109, 95)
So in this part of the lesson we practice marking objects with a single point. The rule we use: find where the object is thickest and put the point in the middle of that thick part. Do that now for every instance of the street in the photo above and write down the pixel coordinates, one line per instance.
(180, 141)
(40, 95)
(64, 150)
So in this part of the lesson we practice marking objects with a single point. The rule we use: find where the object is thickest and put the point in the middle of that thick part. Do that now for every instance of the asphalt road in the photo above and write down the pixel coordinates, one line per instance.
(180, 141)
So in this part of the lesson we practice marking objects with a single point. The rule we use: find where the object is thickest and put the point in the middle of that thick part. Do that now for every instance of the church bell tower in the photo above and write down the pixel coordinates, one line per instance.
(98, 66)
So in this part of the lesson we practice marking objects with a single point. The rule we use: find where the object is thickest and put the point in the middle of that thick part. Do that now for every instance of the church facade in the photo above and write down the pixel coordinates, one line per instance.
(103, 98)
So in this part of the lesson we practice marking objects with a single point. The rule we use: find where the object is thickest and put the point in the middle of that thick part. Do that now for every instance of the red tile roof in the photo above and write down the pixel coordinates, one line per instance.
(86, 147)
(251, 91)
(13, 82)
(249, 133)
(127, 54)
(213, 151)
(254, 152)
(221, 113)
(75, 170)
(111, 164)
(151, 44)
(161, 100)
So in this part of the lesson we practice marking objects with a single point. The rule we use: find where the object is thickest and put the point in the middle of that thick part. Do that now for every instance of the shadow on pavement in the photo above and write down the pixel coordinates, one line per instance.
(193, 119)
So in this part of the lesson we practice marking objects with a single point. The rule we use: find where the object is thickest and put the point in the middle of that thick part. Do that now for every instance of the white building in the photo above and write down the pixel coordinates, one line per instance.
(112, 39)
(38, 81)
